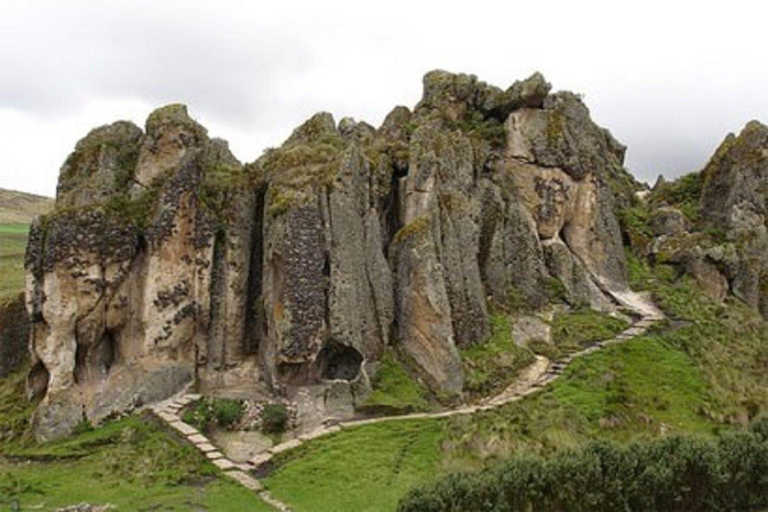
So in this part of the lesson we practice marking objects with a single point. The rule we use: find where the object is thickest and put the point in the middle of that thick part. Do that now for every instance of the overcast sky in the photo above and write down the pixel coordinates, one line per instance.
(668, 78)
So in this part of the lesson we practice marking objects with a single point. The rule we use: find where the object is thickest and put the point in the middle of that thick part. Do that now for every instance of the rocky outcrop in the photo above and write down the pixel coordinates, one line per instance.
(168, 263)
(711, 225)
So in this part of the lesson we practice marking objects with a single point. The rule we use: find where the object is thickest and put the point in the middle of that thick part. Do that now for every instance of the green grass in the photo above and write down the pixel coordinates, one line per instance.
(364, 469)
(13, 244)
(132, 463)
(574, 330)
(395, 390)
(492, 365)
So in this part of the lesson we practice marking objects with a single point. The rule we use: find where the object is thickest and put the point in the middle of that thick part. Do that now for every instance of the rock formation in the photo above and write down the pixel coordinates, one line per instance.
(721, 240)
(168, 263)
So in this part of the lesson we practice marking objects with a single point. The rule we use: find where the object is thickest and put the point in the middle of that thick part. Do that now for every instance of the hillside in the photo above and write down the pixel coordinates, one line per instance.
(21, 207)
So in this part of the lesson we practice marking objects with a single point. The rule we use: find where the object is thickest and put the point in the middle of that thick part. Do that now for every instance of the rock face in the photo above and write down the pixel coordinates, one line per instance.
(735, 201)
(168, 263)
(712, 225)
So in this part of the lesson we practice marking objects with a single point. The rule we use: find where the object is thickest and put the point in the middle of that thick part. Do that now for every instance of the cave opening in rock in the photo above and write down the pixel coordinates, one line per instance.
(37, 381)
(95, 361)
(339, 362)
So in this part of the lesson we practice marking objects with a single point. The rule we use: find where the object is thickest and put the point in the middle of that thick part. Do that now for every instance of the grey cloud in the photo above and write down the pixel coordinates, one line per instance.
(224, 68)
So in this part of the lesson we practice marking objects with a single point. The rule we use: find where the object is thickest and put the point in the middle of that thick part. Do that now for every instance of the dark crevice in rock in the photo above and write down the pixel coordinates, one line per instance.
(37, 381)
(216, 350)
(391, 213)
(254, 311)
(339, 362)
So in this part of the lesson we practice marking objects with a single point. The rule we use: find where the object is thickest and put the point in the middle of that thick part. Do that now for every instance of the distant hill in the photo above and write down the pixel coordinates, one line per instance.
(21, 207)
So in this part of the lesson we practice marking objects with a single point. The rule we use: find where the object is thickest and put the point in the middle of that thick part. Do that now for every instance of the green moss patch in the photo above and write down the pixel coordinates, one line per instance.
(492, 365)
(395, 390)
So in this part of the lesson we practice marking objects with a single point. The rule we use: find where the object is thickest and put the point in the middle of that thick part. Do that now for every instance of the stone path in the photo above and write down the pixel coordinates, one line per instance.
(534, 378)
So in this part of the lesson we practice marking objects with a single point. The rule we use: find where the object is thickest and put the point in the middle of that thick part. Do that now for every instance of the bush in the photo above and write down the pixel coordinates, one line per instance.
(227, 412)
(274, 419)
(677, 473)
(209, 413)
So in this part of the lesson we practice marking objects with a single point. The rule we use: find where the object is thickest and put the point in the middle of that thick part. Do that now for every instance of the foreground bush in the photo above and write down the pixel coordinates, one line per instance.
(676, 473)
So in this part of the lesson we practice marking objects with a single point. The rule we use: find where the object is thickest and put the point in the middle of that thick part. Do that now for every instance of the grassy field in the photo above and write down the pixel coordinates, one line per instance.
(13, 243)
(364, 469)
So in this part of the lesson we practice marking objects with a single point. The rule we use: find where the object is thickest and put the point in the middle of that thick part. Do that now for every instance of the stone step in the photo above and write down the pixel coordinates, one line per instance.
(214, 455)
(260, 459)
(245, 480)
(182, 427)
(197, 438)
(279, 505)
(224, 464)
(320, 433)
(205, 447)
(288, 445)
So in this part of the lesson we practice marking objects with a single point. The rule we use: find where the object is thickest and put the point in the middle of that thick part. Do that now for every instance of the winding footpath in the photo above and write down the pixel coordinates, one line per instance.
(534, 378)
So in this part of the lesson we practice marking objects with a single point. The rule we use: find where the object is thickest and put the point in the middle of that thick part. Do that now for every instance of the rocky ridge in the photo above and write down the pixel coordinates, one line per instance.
(169, 263)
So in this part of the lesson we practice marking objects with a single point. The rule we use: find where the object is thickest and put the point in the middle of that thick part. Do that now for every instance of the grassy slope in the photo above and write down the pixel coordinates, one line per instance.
(364, 469)
(705, 372)
(13, 243)
(132, 463)
(21, 208)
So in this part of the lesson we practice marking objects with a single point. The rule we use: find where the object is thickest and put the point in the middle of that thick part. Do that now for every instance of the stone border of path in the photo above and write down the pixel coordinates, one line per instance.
(534, 378)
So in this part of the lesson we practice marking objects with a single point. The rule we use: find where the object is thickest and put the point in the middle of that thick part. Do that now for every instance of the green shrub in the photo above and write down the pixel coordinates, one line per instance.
(274, 419)
(677, 473)
(227, 412)
(209, 413)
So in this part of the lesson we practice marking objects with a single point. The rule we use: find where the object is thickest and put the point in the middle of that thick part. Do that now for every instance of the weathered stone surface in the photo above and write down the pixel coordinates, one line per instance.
(292, 274)
(102, 164)
(530, 328)
(735, 200)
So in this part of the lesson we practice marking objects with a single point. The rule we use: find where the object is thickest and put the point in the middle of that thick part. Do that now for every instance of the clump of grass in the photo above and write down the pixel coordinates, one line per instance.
(574, 330)
(395, 391)
(491, 365)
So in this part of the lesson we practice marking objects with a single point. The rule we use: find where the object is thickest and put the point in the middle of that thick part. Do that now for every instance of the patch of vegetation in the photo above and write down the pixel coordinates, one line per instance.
(548, 350)
(635, 228)
(677, 473)
(492, 365)
(209, 413)
(574, 330)
(15, 410)
(13, 245)
(481, 128)
(683, 194)
(274, 419)
(364, 468)
(131, 463)
(416, 227)
(395, 391)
